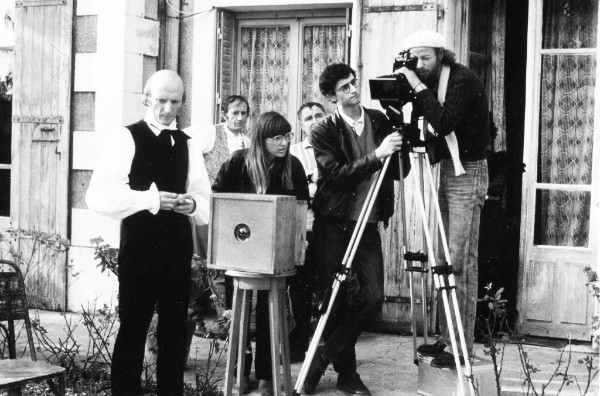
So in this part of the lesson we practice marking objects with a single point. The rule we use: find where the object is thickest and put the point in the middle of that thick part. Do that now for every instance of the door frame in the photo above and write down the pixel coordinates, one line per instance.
(528, 251)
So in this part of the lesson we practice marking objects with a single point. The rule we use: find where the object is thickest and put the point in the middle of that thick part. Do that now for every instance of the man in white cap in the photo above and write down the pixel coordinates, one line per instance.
(453, 101)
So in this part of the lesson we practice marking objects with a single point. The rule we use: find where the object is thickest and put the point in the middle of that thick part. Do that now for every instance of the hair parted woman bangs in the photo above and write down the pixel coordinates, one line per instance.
(268, 125)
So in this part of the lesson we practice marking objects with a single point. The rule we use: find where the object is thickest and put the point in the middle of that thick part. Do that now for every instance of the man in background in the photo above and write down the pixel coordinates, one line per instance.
(227, 137)
(301, 286)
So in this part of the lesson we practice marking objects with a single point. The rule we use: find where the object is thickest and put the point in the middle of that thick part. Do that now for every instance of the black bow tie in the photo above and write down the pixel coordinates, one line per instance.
(165, 136)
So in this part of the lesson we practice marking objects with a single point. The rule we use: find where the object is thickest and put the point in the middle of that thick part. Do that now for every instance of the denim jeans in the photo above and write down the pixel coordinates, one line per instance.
(360, 298)
(461, 200)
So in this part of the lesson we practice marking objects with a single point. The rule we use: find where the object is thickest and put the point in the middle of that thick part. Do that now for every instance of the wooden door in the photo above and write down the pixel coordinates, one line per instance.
(41, 130)
(559, 231)
(392, 22)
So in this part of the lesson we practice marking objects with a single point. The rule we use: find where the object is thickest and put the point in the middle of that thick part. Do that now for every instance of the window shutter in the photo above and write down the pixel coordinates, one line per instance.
(225, 55)
(41, 135)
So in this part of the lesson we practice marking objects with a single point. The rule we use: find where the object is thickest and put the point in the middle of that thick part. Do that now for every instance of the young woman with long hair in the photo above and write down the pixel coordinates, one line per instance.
(267, 167)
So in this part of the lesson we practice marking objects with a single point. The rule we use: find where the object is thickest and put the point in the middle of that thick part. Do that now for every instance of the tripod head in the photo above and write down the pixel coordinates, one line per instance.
(409, 131)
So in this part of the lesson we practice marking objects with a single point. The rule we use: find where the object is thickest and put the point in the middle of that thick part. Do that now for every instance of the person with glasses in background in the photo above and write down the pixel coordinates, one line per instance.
(265, 168)
(301, 286)
(350, 147)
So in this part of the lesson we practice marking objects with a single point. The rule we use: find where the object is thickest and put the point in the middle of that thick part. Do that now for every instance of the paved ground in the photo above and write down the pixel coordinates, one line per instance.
(385, 363)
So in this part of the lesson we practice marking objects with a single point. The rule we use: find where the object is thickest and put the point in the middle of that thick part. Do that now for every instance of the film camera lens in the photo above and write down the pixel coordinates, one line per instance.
(394, 88)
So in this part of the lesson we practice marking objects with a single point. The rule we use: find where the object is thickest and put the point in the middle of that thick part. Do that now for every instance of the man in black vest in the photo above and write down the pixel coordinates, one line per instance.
(151, 176)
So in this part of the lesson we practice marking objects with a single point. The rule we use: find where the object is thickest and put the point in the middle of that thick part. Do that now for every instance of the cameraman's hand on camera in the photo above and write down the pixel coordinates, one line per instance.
(411, 77)
(391, 144)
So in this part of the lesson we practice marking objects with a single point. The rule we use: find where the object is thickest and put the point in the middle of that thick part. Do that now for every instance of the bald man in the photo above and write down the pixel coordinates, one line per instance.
(151, 176)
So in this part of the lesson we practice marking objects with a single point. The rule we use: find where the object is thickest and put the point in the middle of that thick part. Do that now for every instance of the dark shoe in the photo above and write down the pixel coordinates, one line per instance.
(249, 386)
(315, 371)
(200, 330)
(351, 384)
(432, 350)
(445, 360)
(296, 357)
(265, 387)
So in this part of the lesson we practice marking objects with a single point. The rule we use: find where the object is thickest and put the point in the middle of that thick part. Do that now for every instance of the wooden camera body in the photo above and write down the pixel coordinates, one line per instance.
(256, 233)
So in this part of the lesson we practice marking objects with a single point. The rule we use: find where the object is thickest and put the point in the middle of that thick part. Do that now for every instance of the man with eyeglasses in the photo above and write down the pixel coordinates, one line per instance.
(350, 146)
(301, 285)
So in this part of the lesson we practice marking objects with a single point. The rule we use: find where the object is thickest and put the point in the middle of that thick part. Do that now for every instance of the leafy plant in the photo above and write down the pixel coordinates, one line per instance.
(495, 329)
(497, 333)
(207, 380)
(106, 254)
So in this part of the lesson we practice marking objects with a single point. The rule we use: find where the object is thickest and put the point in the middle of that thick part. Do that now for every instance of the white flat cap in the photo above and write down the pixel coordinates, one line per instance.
(424, 38)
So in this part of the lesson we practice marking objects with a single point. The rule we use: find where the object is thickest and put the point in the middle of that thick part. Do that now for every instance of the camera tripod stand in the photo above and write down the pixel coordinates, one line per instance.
(442, 273)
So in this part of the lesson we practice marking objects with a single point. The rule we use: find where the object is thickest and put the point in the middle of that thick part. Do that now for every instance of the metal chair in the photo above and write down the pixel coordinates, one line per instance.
(14, 373)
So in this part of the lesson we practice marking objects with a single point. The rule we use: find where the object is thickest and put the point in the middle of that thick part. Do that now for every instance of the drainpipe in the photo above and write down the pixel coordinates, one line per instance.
(355, 47)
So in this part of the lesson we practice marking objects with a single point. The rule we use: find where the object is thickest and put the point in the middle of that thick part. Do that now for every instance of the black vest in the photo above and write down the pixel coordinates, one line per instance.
(166, 234)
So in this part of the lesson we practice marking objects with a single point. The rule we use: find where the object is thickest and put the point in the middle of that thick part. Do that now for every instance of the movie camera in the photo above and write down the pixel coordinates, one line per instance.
(393, 92)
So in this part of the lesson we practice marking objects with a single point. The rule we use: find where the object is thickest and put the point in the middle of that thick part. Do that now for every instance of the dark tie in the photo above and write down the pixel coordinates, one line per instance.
(166, 134)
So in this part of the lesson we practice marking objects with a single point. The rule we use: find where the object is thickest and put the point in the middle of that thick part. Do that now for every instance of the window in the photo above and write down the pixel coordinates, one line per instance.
(566, 123)
(279, 60)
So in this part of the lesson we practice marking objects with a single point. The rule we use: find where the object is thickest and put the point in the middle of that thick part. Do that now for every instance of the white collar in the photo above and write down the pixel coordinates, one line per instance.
(239, 134)
(349, 120)
(155, 125)
(306, 144)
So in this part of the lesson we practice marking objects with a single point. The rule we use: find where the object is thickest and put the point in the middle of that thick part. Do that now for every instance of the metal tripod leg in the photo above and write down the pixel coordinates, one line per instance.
(404, 261)
(461, 333)
(411, 257)
(446, 289)
(423, 272)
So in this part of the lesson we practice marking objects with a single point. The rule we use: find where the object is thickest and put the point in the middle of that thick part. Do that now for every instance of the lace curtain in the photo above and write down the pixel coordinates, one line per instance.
(265, 68)
(322, 45)
(566, 122)
(497, 105)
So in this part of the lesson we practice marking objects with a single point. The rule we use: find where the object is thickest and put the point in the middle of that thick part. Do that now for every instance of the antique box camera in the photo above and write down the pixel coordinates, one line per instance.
(262, 234)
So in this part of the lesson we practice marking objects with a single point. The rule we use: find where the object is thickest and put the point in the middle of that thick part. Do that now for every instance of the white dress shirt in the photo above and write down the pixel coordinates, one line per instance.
(305, 153)
(359, 125)
(109, 192)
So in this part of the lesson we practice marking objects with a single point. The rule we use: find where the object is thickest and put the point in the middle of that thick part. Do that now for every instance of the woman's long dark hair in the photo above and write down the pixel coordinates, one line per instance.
(268, 125)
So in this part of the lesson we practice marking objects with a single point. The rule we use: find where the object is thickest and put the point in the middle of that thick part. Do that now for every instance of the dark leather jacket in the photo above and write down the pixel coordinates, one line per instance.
(340, 172)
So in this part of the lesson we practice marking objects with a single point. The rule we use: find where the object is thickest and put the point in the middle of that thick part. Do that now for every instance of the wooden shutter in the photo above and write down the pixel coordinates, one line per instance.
(225, 55)
(41, 131)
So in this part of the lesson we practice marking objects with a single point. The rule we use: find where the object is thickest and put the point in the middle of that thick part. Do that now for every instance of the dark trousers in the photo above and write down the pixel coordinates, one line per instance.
(301, 289)
(146, 284)
(360, 298)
